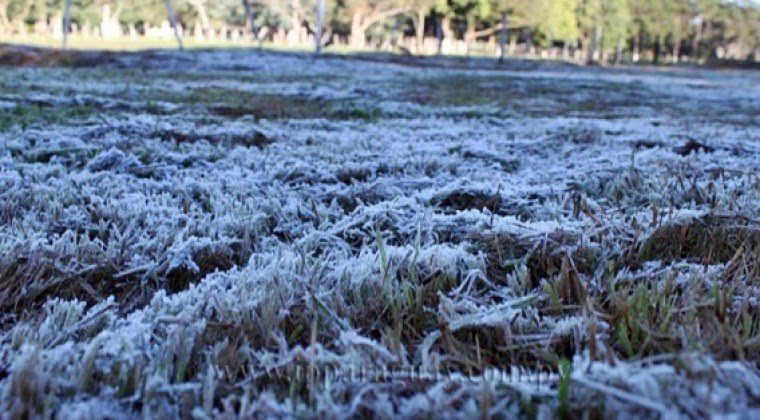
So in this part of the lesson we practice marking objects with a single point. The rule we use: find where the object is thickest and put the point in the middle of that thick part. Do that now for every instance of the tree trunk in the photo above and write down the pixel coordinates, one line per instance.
(251, 18)
(3, 16)
(619, 52)
(439, 35)
(696, 43)
(361, 23)
(41, 17)
(173, 21)
(592, 45)
(636, 48)
(295, 19)
(357, 33)
(502, 37)
(656, 51)
(66, 23)
(676, 53)
(394, 32)
(529, 42)
(419, 29)
(20, 20)
(469, 34)
(201, 9)
(320, 23)
(448, 33)
(573, 50)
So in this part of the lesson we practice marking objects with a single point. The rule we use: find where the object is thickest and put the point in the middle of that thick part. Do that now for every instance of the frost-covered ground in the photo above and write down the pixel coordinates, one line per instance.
(253, 234)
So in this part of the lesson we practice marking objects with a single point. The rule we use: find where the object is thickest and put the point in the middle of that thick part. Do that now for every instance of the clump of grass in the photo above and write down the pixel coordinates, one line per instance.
(27, 389)
(543, 258)
(469, 200)
(349, 175)
(253, 138)
(455, 90)
(31, 274)
(708, 240)
(659, 316)
(74, 155)
(579, 135)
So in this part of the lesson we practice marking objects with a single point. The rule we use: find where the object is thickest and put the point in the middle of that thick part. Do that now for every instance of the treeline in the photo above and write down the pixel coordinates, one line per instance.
(588, 30)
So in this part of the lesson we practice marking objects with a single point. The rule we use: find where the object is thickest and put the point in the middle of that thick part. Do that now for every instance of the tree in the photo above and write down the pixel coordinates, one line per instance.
(476, 12)
(680, 12)
(606, 25)
(173, 20)
(653, 18)
(200, 8)
(138, 12)
(741, 27)
(291, 14)
(590, 16)
(66, 23)
(704, 12)
(617, 25)
(250, 17)
(365, 13)
(560, 22)
(420, 9)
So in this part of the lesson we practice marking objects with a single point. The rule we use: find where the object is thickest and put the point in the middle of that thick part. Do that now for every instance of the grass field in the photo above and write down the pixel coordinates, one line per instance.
(246, 233)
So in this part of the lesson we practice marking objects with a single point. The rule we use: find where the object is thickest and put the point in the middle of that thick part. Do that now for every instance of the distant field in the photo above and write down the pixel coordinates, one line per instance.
(78, 42)
(124, 43)
(266, 234)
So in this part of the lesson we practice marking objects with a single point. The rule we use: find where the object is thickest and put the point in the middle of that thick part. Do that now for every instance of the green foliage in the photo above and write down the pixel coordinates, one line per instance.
(617, 22)
(563, 393)
(560, 22)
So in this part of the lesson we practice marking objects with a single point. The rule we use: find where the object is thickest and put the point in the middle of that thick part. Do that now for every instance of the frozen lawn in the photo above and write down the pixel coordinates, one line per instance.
(214, 233)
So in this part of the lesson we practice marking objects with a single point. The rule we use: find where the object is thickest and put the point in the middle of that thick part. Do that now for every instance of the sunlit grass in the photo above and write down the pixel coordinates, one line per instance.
(77, 42)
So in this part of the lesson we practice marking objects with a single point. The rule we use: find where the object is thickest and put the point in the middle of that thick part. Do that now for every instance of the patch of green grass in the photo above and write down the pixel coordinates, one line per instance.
(26, 116)
(232, 103)
(519, 95)
(706, 240)
(458, 90)
(241, 76)
(593, 108)
(140, 76)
